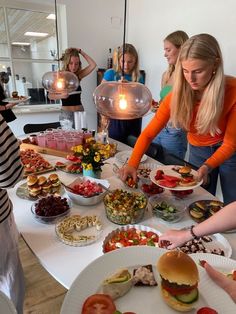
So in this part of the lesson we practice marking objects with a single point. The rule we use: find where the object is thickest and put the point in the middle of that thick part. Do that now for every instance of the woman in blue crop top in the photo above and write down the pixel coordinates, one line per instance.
(121, 129)
(72, 63)
(172, 140)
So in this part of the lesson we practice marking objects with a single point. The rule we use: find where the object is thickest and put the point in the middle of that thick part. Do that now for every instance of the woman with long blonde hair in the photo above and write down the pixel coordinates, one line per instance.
(121, 129)
(173, 140)
(203, 102)
(71, 60)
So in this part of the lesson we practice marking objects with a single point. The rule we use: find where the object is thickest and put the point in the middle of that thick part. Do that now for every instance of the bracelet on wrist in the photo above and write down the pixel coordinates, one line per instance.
(195, 237)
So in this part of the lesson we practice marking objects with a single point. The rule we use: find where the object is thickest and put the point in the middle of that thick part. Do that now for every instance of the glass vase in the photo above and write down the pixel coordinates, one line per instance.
(91, 173)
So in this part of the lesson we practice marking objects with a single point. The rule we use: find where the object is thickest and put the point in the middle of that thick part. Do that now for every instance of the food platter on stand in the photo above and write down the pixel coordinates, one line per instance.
(168, 171)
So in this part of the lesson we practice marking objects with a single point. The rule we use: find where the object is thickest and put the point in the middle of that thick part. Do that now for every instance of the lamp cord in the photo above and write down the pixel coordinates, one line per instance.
(123, 60)
(56, 24)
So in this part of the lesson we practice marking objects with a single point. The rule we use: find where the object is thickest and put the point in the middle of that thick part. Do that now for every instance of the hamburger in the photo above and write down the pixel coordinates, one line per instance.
(31, 180)
(179, 285)
(187, 181)
(185, 171)
(54, 179)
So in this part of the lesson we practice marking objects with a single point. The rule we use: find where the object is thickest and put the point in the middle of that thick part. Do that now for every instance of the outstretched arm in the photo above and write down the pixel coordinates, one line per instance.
(89, 68)
(223, 220)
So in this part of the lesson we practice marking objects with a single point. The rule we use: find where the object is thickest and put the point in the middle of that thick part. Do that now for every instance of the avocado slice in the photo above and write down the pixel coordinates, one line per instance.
(119, 277)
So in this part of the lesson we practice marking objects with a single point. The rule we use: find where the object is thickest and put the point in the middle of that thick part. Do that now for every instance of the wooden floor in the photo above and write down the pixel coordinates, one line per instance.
(44, 295)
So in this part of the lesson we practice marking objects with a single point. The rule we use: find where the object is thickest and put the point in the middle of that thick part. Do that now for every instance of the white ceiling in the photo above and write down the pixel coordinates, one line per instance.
(21, 21)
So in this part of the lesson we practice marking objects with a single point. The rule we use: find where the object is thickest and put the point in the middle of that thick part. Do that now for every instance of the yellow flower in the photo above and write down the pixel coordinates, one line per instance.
(77, 149)
(97, 157)
(87, 166)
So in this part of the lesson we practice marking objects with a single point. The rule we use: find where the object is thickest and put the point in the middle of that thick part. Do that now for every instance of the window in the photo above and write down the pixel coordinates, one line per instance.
(28, 49)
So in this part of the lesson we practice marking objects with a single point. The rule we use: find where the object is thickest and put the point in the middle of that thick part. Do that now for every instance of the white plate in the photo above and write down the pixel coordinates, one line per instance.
(6, 305)
(16, 101)
(127, 227)
(168, 171)
(125, 155)
(218, 242)
(145, 299)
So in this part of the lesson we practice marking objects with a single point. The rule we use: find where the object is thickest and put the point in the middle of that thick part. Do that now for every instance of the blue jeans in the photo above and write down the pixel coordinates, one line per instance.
(227, 171)
(173, 140)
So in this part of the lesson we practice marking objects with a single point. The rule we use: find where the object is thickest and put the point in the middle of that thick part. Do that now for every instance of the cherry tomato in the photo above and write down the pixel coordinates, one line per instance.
(206, 310)
(98, 304)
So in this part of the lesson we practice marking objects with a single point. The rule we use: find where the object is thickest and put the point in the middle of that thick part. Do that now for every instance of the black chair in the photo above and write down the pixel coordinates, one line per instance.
(30, 128)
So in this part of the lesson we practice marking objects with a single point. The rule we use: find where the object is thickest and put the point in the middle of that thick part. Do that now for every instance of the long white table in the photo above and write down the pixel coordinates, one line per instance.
(65, 262)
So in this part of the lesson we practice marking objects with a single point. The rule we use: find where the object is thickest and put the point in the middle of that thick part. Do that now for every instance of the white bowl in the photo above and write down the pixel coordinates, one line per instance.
(87, 201)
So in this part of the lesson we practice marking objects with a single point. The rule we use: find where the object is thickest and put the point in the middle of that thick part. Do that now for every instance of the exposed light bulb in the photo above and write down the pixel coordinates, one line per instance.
(122, 102)
(60, 84)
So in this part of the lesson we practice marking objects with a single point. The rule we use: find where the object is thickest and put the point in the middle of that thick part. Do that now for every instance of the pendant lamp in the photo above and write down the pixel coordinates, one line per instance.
(122, 100)
(59, 82)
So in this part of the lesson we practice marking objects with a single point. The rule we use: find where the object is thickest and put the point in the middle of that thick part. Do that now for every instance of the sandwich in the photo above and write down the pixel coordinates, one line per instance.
(179, 285)
(185, 171)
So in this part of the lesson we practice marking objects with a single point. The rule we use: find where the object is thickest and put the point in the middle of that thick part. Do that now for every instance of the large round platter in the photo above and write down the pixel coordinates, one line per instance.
(125, 228)
(79, 230)
(124, 156)
(22, 192)
(143, 299)
(168, 170)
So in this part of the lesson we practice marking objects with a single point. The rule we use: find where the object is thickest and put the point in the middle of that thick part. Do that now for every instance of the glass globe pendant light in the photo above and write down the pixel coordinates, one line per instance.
(122, 100)
(59, 82)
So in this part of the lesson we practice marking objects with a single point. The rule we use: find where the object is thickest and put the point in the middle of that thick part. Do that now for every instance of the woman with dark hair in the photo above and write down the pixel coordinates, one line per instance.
(5, 108)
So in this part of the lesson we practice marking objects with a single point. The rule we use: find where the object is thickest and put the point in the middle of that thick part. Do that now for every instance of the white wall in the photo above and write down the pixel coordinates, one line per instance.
(150, 21)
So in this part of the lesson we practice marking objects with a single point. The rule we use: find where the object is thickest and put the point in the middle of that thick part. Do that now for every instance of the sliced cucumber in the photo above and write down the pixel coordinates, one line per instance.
(188, 297)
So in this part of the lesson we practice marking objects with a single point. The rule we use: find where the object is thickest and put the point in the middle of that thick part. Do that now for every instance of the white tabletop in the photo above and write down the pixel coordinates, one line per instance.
(65, 262)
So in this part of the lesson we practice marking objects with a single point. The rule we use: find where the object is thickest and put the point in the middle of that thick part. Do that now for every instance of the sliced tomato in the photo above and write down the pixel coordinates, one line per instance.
(206, 310)
(159, 174)
(99, 304)
(170, 178)
(168, 184)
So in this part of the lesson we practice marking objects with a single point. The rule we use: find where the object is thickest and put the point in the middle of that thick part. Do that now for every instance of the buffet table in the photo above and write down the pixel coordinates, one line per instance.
(65, 262)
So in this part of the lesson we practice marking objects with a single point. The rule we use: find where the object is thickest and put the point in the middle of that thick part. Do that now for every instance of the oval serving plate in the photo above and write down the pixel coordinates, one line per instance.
(203, 209)
(126, 228)
(22, 192)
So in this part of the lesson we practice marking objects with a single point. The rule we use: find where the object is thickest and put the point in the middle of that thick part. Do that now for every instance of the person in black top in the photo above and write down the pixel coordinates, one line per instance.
(5, 108)
(72, 63)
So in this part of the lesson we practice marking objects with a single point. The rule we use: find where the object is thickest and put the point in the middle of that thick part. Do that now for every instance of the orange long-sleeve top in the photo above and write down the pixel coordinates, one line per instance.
(226, 124)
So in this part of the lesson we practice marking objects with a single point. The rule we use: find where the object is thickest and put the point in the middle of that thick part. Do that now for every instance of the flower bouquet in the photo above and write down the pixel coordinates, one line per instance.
(93, 154)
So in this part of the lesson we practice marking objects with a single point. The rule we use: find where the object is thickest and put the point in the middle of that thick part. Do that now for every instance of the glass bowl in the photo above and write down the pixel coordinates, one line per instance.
(144, 171)
(90, 200)
(166, 209)
(125, 207)
(50, 210)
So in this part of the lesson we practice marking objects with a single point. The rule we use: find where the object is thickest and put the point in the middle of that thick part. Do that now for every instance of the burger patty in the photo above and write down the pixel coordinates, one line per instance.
(176, 289)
